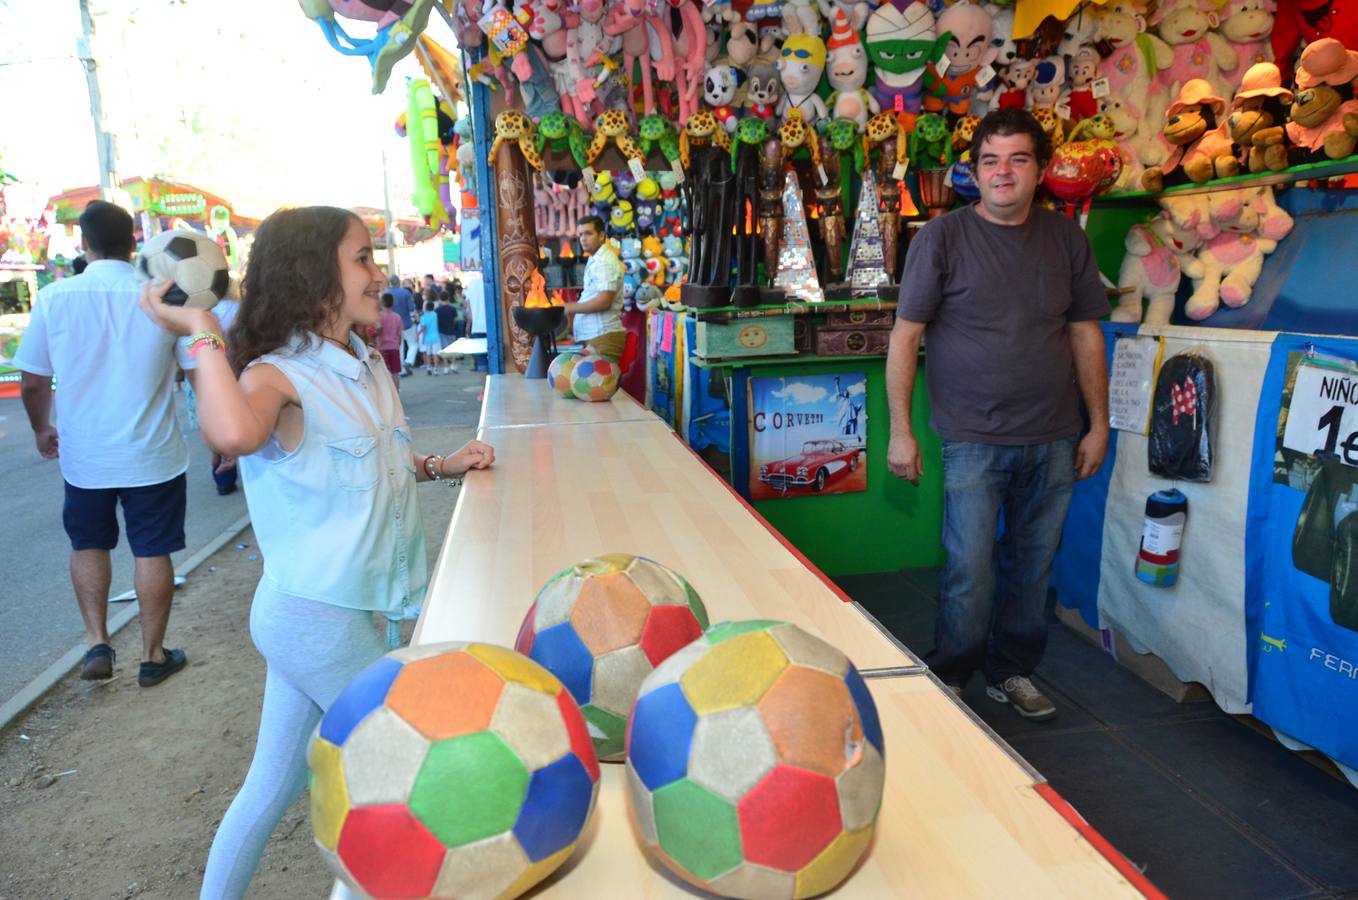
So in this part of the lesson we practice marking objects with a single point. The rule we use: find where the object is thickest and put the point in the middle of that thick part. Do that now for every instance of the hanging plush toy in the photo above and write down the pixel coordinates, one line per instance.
(398, 26)
(1324, 123)
(559, 133)
(903, 45)
(930, 144)
(800, 64)
(1015, 79)
(969, 52)
(1247, 25)
(763, 91)
(1133, 64)
(1079, 96)
(847, 70)
(1199, 52)
(612, 126)
(719, 92)
(856, 12)
(1308, 21)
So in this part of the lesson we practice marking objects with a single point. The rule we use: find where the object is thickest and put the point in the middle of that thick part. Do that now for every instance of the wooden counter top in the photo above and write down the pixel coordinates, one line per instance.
(559, 494)
(960, 818)
(513, 401)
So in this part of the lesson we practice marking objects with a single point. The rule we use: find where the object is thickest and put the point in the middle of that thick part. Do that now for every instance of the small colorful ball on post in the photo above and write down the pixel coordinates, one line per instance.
(755, 762)
(451, 770)
(601, 626)
(595, 378)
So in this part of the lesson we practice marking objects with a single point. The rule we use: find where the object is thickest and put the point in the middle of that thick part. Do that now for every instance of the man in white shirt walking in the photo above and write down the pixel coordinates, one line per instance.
(595, 318)
(116, 435)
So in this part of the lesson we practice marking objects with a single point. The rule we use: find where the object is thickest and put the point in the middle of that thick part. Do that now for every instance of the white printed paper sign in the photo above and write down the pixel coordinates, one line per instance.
(1323, 415)
(1131, 383)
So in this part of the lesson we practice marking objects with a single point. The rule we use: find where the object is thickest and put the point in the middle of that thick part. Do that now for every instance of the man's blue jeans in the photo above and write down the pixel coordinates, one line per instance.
(992, 593)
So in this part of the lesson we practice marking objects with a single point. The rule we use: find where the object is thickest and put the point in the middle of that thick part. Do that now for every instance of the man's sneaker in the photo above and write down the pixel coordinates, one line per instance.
(1027, 700)
(152, 673)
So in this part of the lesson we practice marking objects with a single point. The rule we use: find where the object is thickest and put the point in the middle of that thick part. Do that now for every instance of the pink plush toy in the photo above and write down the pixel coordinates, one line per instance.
(1247, 26)
(690, 49)
(1158, 256)
(1199, 52)
(1251, 224)
(1135, 61)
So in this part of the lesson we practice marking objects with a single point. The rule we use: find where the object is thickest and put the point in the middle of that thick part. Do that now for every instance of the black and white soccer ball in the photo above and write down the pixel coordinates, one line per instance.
(195, 264)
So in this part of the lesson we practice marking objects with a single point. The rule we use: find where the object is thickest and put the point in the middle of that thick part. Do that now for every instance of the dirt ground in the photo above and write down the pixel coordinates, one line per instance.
(108, 790)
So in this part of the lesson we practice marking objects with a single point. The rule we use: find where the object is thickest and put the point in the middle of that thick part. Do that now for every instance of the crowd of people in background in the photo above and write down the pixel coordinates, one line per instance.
(430, 316)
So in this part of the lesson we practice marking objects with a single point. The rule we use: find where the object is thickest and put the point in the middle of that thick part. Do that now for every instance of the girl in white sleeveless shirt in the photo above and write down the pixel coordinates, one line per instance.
(329, 472)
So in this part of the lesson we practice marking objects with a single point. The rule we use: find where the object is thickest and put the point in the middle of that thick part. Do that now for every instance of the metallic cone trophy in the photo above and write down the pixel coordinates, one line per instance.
(796, 266)
(867, 262)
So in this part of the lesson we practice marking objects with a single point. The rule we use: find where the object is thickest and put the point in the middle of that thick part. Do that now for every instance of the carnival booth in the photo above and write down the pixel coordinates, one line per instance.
(761, 169)
(1208, 150)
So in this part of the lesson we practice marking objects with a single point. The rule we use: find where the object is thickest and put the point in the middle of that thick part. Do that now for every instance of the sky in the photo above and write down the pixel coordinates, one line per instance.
(245, 99)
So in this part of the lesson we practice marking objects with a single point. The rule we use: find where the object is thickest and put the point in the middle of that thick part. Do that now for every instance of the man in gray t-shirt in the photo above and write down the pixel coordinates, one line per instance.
(1008, 296)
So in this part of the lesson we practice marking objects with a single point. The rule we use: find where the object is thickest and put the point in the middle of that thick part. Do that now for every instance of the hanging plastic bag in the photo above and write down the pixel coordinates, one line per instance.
(1183, 418)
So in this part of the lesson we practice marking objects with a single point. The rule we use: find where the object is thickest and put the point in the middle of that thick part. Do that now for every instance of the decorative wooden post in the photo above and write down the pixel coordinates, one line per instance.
(516, 245)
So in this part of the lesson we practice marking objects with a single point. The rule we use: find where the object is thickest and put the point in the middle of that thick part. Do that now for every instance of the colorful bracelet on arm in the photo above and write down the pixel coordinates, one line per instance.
(433, 470)
(208, 339)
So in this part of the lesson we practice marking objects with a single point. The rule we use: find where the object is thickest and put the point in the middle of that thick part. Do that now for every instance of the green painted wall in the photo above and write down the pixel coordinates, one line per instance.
(892, 525)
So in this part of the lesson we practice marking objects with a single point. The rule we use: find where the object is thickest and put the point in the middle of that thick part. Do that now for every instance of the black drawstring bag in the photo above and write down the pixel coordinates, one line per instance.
(1182, 419)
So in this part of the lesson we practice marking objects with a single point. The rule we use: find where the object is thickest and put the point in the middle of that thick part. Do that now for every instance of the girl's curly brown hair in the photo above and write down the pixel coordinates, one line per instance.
(291, 282)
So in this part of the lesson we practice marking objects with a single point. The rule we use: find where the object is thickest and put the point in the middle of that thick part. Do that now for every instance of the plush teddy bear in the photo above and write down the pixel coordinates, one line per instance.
(763, 91)
(1135, 139)
(1247, 25)
(1159, 254)
(1324, 124)
(1199, 52)
(1134, 60)
(1256, 120)
(1251, 225)
(1195, 125)
(719, 92)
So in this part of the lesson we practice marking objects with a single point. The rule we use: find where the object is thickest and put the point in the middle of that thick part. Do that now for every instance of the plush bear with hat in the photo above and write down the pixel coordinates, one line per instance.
(1195, 125)
(1324, 114)
(1258, 113)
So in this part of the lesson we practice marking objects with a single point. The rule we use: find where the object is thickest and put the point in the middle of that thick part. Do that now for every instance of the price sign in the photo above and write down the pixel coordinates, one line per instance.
(1131, 382)
(1323, 415)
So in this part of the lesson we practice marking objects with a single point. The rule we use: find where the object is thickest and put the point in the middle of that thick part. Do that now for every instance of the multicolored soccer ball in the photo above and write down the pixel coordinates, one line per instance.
(755, 762)
(595, 378)
(195, 264)
(451, 770)
(559, 373)
(601, 626)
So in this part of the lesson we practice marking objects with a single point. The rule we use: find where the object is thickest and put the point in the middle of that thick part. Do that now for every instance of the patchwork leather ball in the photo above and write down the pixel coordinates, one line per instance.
(601, 626)
(755, 762)
(451, 770)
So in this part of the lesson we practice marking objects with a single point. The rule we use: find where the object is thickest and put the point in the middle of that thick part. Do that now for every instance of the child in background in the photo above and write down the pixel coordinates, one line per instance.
(429, 337)
(333, 503)
(389, 337)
